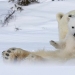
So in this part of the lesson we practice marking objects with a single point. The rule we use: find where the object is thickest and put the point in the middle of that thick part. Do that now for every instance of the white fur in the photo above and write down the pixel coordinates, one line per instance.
(67, 45)
(63, 23)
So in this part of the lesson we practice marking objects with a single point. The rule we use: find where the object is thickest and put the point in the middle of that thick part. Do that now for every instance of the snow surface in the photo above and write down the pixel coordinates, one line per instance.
(38, 26)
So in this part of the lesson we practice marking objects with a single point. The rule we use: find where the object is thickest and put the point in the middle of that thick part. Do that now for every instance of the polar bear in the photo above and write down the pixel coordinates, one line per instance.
(63, 23)
(65, 49)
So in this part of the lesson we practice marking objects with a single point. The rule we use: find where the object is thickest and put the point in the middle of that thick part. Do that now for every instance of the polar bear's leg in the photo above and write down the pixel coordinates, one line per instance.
(18, 54)
(58, 45)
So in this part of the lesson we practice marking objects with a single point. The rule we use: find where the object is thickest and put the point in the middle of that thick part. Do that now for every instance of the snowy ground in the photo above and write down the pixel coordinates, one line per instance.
(38, 26)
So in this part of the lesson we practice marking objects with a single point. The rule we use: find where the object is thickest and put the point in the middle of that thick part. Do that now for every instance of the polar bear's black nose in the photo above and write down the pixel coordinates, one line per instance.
(74, 35)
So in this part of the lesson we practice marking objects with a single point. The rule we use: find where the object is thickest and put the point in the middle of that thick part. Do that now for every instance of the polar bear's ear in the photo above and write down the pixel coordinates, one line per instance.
(59, 16)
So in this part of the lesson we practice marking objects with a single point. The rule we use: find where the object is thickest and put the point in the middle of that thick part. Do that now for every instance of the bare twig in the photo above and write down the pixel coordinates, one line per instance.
(7, 18)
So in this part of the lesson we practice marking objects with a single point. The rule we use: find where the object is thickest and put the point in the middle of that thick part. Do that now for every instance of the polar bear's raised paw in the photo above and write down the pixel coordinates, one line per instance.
(55, 44)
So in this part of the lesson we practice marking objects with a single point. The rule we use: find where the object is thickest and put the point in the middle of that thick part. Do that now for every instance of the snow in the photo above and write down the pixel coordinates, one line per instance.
(38, 26)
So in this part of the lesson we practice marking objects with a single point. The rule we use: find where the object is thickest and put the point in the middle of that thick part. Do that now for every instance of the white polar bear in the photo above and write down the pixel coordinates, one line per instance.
(65, 48)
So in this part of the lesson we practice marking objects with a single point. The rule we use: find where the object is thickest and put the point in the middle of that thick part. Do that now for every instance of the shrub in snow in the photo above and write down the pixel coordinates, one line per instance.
(17, 7)
(23, 2)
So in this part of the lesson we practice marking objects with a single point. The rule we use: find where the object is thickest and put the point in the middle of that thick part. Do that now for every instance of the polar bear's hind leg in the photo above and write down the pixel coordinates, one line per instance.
(18, 54)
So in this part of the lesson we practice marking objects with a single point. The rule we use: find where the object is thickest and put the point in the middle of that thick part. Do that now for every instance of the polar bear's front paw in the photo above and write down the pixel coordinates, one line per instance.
(53, 43)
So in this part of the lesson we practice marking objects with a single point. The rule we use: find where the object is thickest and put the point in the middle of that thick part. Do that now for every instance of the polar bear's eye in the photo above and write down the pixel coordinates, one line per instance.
(72, 27)
(70, 16)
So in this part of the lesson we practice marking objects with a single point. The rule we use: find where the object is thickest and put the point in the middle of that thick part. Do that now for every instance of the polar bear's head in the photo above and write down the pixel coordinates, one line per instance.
(71, 25)
(63, 23)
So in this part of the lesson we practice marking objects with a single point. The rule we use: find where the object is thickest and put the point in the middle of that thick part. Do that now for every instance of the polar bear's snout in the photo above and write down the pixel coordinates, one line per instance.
(71, 25)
